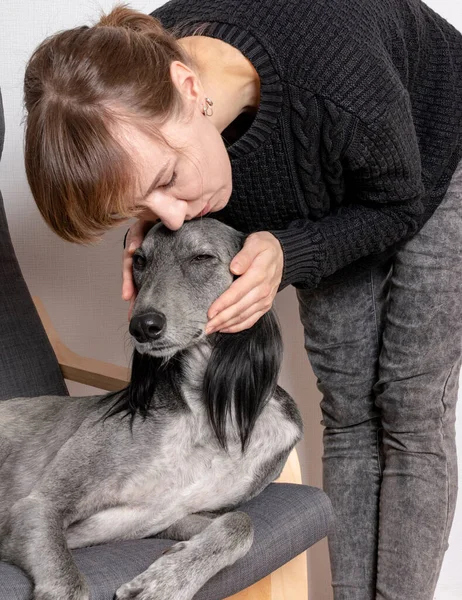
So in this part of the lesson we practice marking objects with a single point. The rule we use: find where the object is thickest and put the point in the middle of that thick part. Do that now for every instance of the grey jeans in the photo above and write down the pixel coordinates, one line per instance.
(386, 347)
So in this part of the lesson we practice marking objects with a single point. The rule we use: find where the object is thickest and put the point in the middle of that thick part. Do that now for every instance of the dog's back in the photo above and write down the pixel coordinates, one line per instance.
(32, 430)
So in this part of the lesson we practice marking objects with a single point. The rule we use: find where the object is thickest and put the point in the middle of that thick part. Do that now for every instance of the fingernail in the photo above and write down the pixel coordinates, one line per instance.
(132, 247)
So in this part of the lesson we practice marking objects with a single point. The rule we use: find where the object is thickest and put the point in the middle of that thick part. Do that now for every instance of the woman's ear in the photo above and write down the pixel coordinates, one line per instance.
(187, 83)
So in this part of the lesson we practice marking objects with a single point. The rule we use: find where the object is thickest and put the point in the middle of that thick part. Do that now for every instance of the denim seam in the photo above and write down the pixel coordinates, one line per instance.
(379, 450)
(377, 333)
(374, 309)
(447, 472)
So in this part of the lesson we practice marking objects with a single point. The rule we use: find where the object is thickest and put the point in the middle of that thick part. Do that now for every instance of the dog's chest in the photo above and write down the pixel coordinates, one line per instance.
(190, 472)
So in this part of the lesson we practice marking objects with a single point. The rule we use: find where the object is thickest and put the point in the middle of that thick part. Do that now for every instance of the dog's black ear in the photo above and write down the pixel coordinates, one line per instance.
(143, 382)
(241, 376)
(138, 397)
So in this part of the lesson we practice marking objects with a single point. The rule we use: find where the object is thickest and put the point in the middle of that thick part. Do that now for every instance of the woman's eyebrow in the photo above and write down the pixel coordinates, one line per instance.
(156, 180)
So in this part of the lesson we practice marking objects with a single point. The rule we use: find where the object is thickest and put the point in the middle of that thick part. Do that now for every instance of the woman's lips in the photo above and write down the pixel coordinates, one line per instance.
(205, 210)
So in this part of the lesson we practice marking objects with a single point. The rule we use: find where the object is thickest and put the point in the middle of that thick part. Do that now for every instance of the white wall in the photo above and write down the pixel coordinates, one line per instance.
(81, 285)
(450, 582)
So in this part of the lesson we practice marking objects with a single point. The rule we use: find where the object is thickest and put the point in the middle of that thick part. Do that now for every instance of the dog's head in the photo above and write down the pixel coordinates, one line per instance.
(178, 275)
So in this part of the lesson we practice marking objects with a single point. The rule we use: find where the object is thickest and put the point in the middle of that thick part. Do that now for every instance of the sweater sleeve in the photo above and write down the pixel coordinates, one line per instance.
(382, 204)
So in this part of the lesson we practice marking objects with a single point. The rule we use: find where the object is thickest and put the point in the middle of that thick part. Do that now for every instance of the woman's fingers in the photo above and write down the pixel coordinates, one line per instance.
(134, 239)
(128, 286)
(246, 324)
(256, 301)
(252, 294)
(233, 295)
(248, 295)
(130, 308)
(244, 310)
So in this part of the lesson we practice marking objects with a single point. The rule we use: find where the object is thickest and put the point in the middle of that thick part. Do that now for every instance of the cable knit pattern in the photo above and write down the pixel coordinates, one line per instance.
(359, 127)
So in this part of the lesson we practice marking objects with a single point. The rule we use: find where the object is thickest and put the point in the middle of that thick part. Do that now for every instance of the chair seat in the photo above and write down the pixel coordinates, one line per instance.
(287, 518)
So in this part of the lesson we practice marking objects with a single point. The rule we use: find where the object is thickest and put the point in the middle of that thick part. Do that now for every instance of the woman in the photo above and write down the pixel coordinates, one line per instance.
(331, 132)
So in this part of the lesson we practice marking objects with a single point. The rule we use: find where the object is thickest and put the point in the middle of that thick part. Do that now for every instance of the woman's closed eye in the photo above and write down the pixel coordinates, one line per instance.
(171, 182)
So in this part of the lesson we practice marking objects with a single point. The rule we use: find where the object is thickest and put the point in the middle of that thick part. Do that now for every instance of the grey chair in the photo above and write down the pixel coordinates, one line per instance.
(288, 518)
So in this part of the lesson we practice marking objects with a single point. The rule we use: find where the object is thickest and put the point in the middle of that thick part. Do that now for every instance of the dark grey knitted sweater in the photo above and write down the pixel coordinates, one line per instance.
(359, 127)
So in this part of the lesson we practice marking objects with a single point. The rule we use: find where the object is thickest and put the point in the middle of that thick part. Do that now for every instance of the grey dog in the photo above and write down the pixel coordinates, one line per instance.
(209, 429)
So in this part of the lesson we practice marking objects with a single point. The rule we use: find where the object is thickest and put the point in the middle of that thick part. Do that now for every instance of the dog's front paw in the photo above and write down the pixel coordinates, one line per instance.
(161, 581)
(58, 592)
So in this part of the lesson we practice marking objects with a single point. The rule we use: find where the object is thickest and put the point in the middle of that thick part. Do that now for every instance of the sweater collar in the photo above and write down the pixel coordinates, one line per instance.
(270, 83)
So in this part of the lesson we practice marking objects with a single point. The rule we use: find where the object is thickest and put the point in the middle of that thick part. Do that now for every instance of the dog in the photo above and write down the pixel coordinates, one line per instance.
(208, 428)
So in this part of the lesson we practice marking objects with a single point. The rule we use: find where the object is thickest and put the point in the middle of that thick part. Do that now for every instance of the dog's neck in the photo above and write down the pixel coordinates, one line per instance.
(194, 364)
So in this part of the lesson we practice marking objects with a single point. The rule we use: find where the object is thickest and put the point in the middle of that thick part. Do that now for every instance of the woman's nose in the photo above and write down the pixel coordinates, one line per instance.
(171, 211)
(173, 224)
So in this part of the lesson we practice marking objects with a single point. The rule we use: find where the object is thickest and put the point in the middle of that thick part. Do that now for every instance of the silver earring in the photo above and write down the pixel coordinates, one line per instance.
(207, 109)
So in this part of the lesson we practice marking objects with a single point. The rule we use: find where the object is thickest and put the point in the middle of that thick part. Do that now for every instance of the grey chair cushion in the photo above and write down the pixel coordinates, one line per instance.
(287, 518)
(28, 366)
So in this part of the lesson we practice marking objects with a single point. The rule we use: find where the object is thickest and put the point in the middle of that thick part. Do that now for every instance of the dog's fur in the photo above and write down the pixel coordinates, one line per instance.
(209, 429)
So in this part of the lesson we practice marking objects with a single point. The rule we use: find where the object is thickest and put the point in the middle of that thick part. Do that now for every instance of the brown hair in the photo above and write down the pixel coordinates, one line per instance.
(78, 85)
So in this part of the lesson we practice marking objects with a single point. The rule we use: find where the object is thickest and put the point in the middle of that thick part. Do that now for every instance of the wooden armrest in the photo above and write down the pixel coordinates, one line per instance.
(291, 473)
(78, 368)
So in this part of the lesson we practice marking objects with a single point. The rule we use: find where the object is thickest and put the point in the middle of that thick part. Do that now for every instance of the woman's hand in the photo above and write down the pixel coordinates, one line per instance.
(260, 264)
(134, 239)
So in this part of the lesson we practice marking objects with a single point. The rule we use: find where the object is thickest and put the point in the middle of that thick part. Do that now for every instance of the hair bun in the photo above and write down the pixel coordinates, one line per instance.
(122, 16)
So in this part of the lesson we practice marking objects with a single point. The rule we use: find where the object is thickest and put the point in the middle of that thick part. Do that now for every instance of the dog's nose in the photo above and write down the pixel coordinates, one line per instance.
(147, 327)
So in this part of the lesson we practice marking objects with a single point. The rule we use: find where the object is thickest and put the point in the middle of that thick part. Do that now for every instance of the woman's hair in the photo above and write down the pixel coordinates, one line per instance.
(79, 86)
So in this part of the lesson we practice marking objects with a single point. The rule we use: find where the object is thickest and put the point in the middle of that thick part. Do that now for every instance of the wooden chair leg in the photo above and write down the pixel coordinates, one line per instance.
(289, 582)
(258, 591)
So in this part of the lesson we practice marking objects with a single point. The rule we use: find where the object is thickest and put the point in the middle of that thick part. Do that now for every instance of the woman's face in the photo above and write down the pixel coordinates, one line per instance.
(176, 187)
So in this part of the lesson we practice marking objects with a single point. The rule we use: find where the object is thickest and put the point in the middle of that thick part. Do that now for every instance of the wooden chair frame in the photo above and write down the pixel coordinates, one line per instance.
(289, 582)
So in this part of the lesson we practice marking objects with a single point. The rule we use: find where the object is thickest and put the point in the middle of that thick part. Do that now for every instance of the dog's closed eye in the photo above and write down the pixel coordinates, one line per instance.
(202, 257)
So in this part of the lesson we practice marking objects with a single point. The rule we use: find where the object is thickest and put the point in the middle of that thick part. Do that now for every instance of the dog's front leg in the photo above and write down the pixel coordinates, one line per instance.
(36, 543)
(184, 569)
(187, 527)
